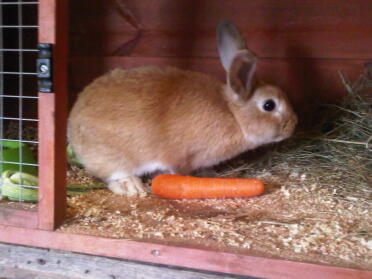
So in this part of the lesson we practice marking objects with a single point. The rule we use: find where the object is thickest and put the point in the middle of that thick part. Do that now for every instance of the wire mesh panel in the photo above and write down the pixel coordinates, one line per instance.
(18, 101)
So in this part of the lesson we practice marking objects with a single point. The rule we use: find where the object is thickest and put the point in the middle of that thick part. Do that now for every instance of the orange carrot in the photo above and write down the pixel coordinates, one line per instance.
(187, 187)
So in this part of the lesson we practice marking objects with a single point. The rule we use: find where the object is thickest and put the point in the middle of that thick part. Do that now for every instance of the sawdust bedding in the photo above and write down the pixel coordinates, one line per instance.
(297, 218)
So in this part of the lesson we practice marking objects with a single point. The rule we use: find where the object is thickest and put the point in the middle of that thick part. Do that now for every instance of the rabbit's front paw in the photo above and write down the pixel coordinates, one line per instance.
(129, 186)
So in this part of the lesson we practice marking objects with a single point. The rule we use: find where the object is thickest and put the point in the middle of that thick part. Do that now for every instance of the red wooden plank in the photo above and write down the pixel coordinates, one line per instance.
(52, 117)
(303, 79)
(178, 256)
(350, 44)
(47, 21)
(287, 28)
(52, 163)
(18, 217)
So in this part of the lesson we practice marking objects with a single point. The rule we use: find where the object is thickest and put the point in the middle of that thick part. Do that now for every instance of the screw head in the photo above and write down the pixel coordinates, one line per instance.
(44, 68)
(155, 252)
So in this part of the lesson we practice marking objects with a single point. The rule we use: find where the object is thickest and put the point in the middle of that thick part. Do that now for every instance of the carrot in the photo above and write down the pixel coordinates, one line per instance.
(187, 187)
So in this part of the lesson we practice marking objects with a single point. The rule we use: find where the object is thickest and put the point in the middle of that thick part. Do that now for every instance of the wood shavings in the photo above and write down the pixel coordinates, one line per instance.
(296, 219)
(76, 175)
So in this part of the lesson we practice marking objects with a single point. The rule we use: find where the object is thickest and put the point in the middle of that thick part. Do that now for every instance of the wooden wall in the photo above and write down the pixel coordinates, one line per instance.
(301, 43)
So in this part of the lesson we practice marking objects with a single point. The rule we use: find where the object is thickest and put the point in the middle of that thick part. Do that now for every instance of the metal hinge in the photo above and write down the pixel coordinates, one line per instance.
(44, 68)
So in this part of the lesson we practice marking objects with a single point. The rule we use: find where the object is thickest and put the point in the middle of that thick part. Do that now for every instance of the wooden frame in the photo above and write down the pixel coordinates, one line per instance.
(177, 256)
(52, 117)
(18, 217)
(35, 228)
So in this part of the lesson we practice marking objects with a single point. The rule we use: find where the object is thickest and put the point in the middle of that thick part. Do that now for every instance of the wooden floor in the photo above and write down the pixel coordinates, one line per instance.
(18, 273)
(20, 262)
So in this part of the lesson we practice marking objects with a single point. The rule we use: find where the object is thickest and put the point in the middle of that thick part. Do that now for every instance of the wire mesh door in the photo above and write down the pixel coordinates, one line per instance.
(18, 104)
(32, 123)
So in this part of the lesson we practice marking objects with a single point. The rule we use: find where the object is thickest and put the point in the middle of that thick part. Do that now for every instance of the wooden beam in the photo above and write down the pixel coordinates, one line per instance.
(18, 217)
(54, 262)
(177, 256)
(52, 164)
(17, 273)
(52, 117)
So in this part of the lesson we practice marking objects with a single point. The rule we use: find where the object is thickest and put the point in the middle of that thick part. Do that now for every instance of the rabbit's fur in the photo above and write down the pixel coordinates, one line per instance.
(131, 122)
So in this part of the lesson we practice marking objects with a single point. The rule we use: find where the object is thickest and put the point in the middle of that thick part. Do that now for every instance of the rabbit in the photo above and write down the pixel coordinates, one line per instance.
(131, 122)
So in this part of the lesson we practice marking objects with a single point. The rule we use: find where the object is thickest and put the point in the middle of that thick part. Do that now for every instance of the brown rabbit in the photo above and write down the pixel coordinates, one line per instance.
(130, 122)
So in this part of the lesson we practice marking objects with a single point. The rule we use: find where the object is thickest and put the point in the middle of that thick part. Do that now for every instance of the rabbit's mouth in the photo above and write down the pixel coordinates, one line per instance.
(288, 128)
(280, 138)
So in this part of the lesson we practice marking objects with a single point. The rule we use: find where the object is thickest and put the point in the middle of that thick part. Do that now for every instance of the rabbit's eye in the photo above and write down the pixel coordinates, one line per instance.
(269, 105)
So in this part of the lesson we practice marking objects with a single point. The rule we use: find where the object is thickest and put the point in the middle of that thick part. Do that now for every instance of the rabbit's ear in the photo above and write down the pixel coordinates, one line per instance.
(241, 75)
(238, 61)
(230, 42)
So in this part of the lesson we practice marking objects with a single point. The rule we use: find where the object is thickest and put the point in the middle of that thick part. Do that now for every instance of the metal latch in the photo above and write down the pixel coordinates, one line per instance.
(44, 68)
